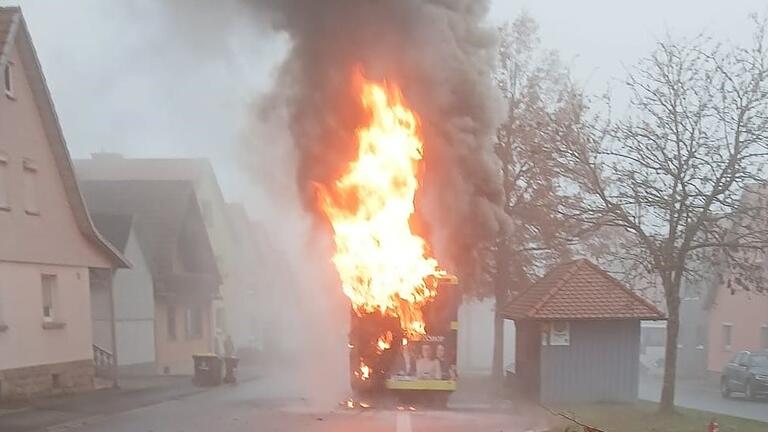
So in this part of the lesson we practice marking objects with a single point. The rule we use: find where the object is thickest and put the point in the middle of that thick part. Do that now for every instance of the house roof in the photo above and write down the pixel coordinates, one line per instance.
(161, 210)
(113, 166)
(116, 228)
(13, 30)
(579, 290)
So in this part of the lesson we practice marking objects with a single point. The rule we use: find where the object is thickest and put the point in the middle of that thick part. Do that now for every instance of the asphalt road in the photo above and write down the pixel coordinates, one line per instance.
(254, 406)
(705, 396)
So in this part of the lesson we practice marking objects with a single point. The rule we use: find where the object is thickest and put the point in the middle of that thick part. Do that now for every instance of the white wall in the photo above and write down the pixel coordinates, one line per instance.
(25, 342)
(476, 337)
(134, 309)
(101, 321)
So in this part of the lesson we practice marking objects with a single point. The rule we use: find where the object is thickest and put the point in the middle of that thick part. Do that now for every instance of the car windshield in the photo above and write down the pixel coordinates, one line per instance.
(760, 360)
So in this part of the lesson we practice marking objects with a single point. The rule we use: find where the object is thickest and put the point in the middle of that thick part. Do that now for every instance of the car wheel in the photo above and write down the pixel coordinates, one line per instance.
(749, 392)
(724, 390)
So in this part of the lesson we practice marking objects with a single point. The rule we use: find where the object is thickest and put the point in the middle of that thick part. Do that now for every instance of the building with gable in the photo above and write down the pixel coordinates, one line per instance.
(48, 243)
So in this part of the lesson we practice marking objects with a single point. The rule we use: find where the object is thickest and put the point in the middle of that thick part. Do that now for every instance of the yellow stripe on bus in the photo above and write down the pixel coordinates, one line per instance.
(443, 385)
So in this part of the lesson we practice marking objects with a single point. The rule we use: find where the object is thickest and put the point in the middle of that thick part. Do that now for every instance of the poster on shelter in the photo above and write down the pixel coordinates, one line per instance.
(560, 333)
(430, 363)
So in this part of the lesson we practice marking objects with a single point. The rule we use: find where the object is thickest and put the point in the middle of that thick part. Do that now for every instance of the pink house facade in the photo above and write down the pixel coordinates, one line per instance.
(738, 321)
(47, 240)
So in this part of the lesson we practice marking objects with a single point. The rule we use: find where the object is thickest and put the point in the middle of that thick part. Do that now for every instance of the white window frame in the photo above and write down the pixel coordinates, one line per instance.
(729, 346)
(53, 309)
(8, 86)
(31, 197)
(5, 196)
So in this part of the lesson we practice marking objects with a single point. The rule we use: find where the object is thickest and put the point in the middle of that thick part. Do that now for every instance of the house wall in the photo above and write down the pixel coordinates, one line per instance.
(252, 277)
(747, 313)
(238, 317)
(693, 338)
(101, 321)
(475, 338)
(600, 364)
(175, 356)
(52, 237)
(30, 353)
(134, 309)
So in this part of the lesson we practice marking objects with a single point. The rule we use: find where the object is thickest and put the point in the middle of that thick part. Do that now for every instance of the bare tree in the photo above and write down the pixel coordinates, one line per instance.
(682, 172)
(541, 103)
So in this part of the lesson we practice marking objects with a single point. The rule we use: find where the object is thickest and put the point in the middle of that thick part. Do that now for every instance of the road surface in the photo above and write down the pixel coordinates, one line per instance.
(253, 406)
(705, 396)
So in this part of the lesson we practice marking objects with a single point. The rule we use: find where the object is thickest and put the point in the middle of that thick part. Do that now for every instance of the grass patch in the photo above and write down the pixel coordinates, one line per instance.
(642, 417)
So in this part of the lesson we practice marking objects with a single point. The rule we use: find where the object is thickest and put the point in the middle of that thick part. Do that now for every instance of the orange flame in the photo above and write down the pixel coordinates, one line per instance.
(382, 264)
(384, 342)
(364, 372)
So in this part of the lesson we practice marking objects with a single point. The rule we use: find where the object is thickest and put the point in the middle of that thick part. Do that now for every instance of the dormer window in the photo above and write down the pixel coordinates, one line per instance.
(8, 79)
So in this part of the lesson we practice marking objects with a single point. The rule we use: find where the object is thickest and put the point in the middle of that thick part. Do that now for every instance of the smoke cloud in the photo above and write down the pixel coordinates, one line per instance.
(441, 54)
(301, 134)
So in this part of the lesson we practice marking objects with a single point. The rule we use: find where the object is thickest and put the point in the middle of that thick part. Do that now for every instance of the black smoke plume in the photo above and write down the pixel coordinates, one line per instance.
(441, 54)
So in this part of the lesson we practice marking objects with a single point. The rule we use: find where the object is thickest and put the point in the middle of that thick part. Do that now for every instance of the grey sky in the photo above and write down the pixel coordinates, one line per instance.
(121, 84)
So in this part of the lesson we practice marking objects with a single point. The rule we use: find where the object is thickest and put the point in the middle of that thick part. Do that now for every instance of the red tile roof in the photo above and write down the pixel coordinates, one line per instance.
(579, 290)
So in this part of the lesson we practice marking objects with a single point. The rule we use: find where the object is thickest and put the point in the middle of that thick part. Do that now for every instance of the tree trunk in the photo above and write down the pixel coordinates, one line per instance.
(667, 404)
(497, 365)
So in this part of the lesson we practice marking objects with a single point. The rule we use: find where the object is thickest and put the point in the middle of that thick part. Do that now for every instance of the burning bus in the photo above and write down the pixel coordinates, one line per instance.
(404, 306)
(384, 357)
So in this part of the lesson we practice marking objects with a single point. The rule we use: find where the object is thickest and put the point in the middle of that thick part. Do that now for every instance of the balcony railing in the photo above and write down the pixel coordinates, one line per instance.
(104, 361)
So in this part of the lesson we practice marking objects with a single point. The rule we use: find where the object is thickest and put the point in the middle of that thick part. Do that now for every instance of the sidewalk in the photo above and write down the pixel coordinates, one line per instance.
(55, 412)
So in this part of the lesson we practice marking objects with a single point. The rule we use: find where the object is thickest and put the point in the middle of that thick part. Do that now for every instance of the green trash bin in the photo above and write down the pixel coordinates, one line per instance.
(208, 368)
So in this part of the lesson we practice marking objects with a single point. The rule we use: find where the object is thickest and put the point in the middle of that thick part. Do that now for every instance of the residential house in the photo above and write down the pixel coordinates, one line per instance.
(717, 322)
(171, 234)
(276, 292)
(252, 274)
(718, 319)
(47, 240)
(228, 316)
(125, 299)
(738, 321)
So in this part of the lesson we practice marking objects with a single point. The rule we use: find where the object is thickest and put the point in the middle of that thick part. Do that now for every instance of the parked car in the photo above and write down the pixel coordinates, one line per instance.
(746, 373)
